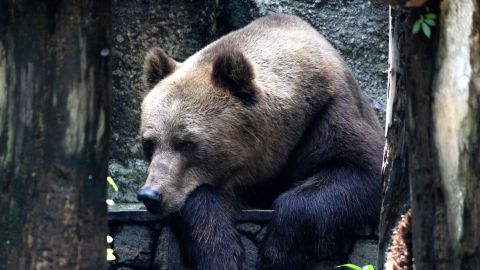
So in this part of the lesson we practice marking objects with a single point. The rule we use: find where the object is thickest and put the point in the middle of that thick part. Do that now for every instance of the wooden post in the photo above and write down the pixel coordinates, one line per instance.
(55, 80)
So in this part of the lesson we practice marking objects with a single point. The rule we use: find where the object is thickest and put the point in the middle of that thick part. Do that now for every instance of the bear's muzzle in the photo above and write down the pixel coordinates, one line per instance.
(151, 199)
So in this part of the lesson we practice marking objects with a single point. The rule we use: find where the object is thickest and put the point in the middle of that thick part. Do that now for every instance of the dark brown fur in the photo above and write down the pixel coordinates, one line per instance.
(232, 72)
(266, 116)
(156, 67)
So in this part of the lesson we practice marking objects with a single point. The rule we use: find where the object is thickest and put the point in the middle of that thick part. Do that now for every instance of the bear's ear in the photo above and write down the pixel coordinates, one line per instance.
(156, 67)
(232, 71)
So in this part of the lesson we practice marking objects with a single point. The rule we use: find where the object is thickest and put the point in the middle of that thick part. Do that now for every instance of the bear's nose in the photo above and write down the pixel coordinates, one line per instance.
(151, 198)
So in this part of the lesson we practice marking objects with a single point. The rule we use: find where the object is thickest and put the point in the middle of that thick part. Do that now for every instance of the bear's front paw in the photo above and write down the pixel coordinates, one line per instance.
(290, 242)
(207, 236)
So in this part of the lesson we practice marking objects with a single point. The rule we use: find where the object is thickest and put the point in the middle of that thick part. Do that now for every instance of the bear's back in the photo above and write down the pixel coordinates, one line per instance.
(297, 74)
(282, 49)
(293, 63)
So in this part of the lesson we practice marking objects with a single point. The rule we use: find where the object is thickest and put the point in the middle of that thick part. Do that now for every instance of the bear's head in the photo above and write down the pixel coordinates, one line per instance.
(197, 124)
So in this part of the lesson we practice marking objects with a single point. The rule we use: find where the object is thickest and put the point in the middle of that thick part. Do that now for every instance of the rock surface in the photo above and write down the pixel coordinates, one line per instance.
(364, 252)
(133, 245)
(251, 251)
(167, 254)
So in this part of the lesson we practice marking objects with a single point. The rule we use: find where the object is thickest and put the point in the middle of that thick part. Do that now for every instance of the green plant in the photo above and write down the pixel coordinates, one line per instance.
(425, 21)
(111, 204)
(112, 183)
(356, 267)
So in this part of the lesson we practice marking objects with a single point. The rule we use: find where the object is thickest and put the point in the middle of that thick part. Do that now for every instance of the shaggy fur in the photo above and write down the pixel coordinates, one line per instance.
(207, 240)
(399, 256)
(268, 115)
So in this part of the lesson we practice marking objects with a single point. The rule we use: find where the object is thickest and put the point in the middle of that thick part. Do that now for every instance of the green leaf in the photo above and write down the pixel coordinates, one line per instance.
(426, 30)
(430, 22)
(112, 183)
(351, 266)
(368, 267)
(114, 207)
(430, 16)
(416, 26)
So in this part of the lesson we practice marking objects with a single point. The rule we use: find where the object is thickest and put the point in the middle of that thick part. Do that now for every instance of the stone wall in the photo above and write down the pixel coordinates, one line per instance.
(357, 28)
(142, 241)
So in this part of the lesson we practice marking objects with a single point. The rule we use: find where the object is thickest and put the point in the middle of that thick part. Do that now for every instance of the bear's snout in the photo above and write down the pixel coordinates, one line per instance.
(151, 199)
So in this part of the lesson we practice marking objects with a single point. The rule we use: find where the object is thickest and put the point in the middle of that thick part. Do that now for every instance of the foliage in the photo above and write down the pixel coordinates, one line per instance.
(425, 21)
(112, 183)
(356, 267)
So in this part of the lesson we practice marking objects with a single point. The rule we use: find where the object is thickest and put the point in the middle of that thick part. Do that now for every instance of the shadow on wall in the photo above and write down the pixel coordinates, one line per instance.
(357, 28)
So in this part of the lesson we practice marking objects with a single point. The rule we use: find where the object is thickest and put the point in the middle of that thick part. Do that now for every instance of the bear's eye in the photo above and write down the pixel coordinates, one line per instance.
(148, 147)
(186, 147)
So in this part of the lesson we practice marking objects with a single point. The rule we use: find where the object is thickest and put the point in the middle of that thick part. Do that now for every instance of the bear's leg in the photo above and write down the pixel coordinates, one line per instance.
(311, 218)
(208, 239)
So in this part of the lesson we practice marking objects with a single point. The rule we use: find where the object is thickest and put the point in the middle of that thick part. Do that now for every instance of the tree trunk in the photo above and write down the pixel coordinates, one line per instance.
(448, 205)
(54, 125)
(396, 191)
(441, 81)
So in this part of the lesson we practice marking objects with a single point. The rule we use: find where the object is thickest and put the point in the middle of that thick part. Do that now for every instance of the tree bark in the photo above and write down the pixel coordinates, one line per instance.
(454, 210)
(441, 81)
(396, 191)
(407, 149)
(55, 79)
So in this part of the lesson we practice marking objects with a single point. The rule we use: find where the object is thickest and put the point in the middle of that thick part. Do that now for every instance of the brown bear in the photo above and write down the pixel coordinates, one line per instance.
(266, 116)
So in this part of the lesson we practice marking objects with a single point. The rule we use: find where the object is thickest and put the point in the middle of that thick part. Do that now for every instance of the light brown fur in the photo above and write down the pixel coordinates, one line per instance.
(399, 256)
